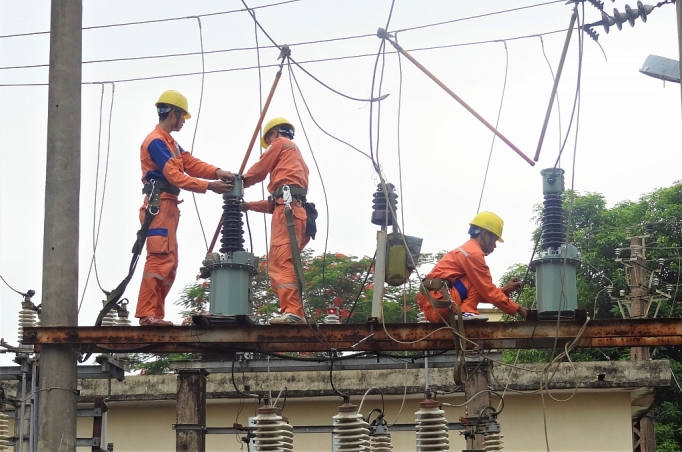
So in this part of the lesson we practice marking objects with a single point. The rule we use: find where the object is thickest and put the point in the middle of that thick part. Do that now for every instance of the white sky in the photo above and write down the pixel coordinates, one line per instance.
(628, 143)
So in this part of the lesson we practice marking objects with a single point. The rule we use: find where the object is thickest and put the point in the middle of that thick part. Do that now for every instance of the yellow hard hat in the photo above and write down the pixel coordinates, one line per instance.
(175, 99)
(274, 122)
(490, 222)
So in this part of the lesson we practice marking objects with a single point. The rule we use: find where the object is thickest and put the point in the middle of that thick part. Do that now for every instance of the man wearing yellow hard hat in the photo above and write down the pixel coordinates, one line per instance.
(463, 277)
(288, 177)
(166, 169)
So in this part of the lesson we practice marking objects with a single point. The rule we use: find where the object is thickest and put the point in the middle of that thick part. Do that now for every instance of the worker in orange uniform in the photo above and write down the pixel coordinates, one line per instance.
(283, 161)
(166, 169)
(463, 277)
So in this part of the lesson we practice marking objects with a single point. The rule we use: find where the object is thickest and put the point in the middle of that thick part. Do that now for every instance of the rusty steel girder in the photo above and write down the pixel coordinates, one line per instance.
(359, 337)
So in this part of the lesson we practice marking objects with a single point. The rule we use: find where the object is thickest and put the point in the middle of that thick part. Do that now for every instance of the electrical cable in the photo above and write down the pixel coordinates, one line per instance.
(497, 123)
(305, 103)
(362, 287)
(95, 235)
(362, 401)
(142, 22)
(196, 124)
(478, 16)
(260, 148)
(319, 173)
(558, 104)
(299, 64)
(94, 207)
(11, 288)
(234, 384)
(331, 380)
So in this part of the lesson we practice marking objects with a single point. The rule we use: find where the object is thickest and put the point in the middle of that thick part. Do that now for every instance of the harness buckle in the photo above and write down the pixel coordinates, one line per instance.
(153, 199)
(286, 196)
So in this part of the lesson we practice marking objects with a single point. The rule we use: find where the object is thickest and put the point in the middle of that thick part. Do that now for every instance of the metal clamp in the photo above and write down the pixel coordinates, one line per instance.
(190, 427)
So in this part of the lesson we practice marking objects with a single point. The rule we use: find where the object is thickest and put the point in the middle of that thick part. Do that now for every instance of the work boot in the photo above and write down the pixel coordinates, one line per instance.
(472, 316)
(153, 321)
(288, 319)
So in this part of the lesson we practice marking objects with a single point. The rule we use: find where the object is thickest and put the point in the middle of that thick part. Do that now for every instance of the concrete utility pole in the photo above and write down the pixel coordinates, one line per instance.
(190, 430)
(678, 6)
(643, 432)
(476, 391)
(58, 397)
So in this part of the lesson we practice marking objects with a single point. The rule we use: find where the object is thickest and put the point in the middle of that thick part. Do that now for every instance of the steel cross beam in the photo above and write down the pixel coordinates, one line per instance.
(359, 337)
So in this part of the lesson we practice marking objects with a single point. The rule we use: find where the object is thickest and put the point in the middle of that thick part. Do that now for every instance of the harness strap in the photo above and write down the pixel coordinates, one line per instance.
(161, 185)
(295, 191)
(295, 254)
(455, 322)
(153, 203)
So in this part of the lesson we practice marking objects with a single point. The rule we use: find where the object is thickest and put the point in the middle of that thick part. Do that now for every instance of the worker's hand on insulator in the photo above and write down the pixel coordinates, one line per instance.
(523, 312)
(225, 176)
(220, 187)
(245, 206)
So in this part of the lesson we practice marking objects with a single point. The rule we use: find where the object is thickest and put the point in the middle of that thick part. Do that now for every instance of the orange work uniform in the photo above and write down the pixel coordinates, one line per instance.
(285, 164)
(467, 274)
(164, 160)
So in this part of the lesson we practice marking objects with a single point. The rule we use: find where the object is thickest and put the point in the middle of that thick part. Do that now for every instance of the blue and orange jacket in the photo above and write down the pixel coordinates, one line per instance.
(467, 264)
(162, 158)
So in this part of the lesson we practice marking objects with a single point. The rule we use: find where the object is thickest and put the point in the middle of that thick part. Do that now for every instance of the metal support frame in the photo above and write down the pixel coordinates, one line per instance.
(83, 373)
(361, 337)
(282, 365)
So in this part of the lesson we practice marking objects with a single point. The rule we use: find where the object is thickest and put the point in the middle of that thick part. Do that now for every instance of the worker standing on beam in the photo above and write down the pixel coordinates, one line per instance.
(462, 277)
(288, 188)
(167, 168)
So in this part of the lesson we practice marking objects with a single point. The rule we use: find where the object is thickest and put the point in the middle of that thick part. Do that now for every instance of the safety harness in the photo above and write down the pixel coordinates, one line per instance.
(153, 190)
(288, 194)
(443, 286)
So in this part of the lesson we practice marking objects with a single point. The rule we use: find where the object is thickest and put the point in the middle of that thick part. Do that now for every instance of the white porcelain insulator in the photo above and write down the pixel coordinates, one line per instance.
(380, 443)
(4, 432)
(287, 436)
(27, 318)
(332, 319)
(432, 430)
(351, 432)
(110, 318)
(421, 318)
(493, 441)
(272, 433)
(122, 321)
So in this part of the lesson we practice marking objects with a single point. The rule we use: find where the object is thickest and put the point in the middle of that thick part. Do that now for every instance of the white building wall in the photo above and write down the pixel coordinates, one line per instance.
(590, 421)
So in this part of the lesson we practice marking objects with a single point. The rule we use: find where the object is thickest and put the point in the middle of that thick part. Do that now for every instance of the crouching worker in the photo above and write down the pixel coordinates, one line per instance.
(462, 277)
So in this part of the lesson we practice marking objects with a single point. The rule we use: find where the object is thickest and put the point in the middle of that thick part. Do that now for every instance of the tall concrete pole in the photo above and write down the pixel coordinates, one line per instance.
(57, 406)
(679, 35)
(190, 433)
(643, 431)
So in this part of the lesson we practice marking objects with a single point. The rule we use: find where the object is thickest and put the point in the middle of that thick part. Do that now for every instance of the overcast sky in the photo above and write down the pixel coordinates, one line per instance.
(628, 137)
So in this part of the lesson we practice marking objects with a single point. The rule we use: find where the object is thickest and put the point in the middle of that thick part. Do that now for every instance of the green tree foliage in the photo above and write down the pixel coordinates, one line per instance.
(601, 233)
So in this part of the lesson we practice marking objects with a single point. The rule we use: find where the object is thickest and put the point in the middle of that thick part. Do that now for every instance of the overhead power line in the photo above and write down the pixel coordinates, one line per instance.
(143, 22)
(318, 60)
(243, 49)
(478, 16)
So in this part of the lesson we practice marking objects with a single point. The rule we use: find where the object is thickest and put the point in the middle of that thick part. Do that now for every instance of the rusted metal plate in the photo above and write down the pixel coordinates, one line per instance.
(364, 337)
